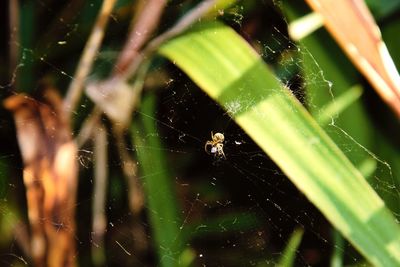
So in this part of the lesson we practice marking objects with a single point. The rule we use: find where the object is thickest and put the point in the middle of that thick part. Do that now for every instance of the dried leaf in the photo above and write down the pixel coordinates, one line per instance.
(50, 176)
(115, 98)
(355, 30)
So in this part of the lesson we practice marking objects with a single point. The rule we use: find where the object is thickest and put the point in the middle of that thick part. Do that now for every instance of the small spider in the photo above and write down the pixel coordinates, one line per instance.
(216, 144)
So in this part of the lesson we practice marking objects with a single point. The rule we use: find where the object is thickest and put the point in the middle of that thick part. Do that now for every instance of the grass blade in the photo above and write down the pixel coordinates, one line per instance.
(334, 108)
(158, 186)
(289, 254)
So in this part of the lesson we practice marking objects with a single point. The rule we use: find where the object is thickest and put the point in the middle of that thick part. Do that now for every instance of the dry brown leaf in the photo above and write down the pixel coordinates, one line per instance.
(50, 177)
(115, 98)
(353, 27)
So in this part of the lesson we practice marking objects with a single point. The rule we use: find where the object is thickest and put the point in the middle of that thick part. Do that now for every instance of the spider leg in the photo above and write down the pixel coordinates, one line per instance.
(221, 151)
(208, 143)
(223, 154)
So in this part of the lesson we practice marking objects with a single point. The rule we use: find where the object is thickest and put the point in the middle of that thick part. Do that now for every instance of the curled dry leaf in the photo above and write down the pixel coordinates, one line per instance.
(115, 98)
(353, 27)
(50, 176)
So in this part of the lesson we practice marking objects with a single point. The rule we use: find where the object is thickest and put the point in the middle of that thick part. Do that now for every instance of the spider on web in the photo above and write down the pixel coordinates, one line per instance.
(217, 146)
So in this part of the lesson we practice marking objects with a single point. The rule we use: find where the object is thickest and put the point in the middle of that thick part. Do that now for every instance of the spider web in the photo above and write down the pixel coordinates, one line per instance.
(238, 211)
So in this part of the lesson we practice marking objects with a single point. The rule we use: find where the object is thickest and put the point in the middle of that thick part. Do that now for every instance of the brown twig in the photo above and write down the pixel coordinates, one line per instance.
(183, 24)
(13, 10)
(147, 20)
(129, 168)
(86, 61)
(100, 188)
(87, 129)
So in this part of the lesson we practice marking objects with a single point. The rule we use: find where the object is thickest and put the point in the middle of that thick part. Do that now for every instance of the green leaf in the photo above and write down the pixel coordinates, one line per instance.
(231, 72)
(158, 186)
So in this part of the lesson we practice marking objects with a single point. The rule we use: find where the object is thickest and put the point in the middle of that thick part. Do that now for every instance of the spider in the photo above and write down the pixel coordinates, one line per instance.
(216, 144)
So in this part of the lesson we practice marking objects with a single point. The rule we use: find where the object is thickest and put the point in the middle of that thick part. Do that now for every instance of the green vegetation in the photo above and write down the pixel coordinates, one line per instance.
(312, 168)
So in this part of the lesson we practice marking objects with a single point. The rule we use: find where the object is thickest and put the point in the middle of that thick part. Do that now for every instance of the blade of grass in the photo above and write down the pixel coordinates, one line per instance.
(99, 223)
(187, 257)
(289, 254)
(330, 61)
(334, 108)
(229, 71)
(321, 55)
(305, 25)
(338, 250)
(367, 168)
(335, 104)
(158, 186)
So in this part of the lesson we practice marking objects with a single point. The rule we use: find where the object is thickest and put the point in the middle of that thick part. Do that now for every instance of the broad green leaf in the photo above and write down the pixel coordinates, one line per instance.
(230, 72)
(158, 186)
(335, 101)
(354, 120)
